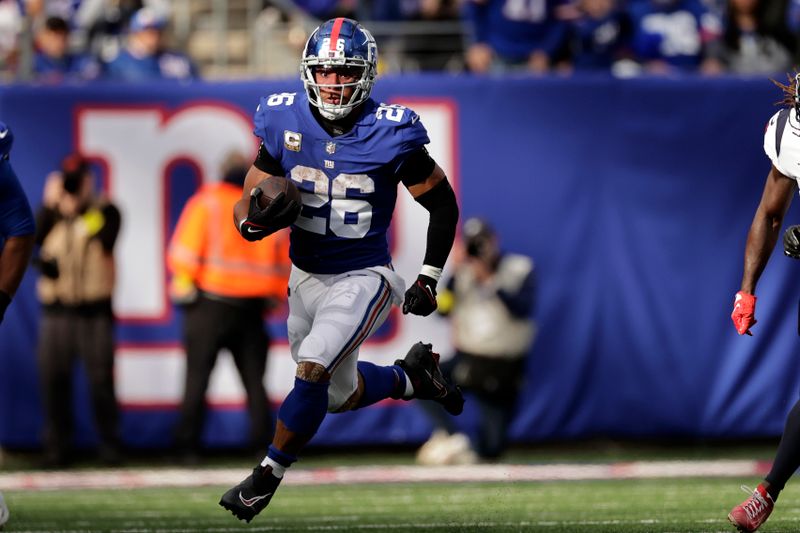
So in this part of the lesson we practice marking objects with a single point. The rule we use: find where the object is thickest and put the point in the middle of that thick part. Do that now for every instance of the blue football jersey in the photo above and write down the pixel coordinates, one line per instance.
(348, 183)
(16, 218)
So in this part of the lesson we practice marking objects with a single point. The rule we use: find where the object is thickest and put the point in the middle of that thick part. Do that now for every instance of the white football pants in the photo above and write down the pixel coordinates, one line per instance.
(330, 315)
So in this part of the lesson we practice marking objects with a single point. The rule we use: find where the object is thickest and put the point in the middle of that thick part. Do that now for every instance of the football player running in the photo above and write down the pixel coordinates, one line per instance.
(346, 153)
(782, 147)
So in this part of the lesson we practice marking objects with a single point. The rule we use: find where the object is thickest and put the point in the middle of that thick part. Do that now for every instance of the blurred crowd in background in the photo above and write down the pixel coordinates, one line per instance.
(56, 41)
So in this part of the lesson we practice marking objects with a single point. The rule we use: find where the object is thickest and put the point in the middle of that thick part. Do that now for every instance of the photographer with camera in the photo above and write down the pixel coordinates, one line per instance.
(76, 230)
(490, 300)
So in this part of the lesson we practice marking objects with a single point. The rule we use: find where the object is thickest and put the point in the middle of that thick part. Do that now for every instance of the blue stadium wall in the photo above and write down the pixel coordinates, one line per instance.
(634, 198)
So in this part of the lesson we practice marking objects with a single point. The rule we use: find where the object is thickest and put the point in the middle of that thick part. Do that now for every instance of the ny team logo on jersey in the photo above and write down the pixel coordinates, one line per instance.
(292, 140)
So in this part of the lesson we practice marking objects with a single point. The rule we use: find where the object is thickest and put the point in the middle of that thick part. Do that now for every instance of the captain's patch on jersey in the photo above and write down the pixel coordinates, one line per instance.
(292, 140)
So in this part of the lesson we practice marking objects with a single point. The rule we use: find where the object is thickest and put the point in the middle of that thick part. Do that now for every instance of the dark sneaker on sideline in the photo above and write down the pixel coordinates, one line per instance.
(252, 495)
(421, 366)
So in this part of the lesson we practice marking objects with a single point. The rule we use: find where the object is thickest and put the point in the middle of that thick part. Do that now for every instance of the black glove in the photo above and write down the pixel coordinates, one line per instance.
(791, 242)
(5, 299)
(421, 297)
(279, 214)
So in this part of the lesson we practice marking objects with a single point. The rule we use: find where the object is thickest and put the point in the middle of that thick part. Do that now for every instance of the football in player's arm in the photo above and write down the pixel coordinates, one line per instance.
(781, 146)
(346, 153)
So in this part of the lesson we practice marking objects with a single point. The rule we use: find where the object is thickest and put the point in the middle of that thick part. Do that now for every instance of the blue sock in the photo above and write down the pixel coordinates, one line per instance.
(381, 382)
(283, 459)
(305, 407)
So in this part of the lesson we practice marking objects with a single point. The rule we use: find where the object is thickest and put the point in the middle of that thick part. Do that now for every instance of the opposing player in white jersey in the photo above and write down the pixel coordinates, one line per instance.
(346, 154)
(782, 145)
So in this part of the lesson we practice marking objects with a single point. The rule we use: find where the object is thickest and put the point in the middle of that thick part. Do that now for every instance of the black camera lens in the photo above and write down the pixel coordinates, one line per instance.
(72, 183)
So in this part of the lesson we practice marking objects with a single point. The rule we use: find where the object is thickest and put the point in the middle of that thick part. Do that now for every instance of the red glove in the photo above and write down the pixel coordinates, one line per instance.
(744, 310)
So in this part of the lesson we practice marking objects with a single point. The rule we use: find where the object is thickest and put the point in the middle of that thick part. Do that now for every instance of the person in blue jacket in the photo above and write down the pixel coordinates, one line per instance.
(144, 58)
(508, 35)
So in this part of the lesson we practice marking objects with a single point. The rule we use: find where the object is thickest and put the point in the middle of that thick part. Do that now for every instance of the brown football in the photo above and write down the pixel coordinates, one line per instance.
(273, 186)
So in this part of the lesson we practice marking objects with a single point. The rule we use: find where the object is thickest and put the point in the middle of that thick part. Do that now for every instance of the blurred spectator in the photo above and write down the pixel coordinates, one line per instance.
(52, 60)
(144, 58)
(327, 9)
(99, 26)
(676, 35)
(225, 285)
(406, 51)
(10, 27)
(490, 300)
(599, 34)
(76, 231)
(792, 12)
(511, 35)
(751, 46)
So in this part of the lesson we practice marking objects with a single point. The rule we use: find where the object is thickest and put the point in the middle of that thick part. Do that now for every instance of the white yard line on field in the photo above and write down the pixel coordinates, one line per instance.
(182, 477)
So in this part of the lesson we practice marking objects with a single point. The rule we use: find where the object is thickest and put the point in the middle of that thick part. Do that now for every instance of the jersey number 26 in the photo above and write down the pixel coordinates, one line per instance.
(349, 218)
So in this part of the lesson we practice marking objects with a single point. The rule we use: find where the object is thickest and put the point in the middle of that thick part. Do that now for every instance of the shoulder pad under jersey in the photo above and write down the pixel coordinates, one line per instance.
(275, 114)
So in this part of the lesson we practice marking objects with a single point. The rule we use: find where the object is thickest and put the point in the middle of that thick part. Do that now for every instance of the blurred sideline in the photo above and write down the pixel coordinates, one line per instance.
(186, 477)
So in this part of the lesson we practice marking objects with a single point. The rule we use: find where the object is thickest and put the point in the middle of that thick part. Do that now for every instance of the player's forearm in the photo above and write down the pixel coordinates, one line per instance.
(240, 209)
(441, 203)
(13, 261)
(761, 241)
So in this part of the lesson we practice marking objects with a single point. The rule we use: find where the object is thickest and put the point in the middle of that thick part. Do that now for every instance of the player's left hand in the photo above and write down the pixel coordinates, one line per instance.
(421, 297)
(744, 310)
(791, 242)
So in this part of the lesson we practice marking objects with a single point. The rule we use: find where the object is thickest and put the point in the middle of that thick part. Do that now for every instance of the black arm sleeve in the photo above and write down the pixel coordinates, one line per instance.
(416, 167)
(441, 203)
(110, 230)
(266, 163)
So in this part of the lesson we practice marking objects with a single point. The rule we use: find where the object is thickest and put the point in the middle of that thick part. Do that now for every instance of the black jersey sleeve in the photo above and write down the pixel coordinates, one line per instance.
(416, 167)
(266, 163)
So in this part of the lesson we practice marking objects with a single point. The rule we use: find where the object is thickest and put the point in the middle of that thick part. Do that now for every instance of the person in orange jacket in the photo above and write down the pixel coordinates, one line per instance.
(225, 285)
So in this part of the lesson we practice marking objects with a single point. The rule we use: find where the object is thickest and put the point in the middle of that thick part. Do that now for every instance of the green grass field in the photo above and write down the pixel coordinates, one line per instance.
(614, 505)
(686, 505)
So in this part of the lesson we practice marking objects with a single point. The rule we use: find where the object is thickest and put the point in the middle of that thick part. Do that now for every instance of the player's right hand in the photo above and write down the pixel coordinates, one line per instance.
(744, 310)
(259, 223)
(791, 242)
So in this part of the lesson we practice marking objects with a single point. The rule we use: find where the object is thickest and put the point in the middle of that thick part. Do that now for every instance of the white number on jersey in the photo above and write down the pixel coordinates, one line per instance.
(280, 99)
(525, 10)
(335, 193)
(393, 112)
(679, 34)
